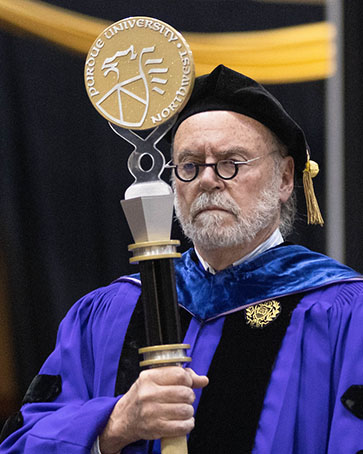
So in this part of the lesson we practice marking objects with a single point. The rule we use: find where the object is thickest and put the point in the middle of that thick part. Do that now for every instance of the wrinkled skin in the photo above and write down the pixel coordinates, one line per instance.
(215, 135)
(158, 405)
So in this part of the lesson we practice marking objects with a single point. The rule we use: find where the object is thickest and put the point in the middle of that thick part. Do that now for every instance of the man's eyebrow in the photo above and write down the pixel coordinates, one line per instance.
(184, 154)
(235, 150)
(187, 154)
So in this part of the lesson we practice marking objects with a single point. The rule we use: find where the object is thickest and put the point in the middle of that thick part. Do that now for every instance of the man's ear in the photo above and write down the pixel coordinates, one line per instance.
(287, 178)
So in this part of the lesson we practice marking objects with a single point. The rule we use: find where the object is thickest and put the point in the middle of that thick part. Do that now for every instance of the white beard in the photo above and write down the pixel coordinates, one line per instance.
(207, 229)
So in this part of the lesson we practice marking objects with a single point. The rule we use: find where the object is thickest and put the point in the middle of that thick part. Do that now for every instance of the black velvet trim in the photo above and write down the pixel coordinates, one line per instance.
(128, 367)
(43, 388)
(12, 424)
(352, 400)
(230, 406)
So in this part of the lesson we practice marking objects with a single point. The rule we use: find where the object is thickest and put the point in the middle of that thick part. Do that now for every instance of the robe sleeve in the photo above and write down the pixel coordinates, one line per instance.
(346, 329)
(65, 412)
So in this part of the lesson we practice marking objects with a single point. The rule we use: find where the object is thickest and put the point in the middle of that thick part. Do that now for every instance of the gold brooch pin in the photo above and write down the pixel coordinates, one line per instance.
(262, 314)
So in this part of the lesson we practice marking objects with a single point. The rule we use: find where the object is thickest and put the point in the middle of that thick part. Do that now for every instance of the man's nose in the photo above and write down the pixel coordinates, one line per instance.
(209, 180)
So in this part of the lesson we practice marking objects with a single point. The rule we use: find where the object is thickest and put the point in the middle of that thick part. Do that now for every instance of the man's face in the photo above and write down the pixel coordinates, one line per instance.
(224, 213)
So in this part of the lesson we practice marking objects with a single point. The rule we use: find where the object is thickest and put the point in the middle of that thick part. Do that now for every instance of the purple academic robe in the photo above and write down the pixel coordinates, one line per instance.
(321, 356)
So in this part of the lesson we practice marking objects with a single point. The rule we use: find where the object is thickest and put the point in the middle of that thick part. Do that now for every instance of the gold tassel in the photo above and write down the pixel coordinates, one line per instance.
(313, 210)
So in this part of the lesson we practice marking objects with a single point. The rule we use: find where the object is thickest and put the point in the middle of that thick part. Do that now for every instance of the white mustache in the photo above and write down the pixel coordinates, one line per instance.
(216, 200)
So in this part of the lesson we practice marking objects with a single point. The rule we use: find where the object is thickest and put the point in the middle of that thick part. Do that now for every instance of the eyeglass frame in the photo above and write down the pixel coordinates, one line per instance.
(214, 165)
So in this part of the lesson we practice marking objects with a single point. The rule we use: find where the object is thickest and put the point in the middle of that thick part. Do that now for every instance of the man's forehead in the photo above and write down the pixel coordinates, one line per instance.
(226, 129)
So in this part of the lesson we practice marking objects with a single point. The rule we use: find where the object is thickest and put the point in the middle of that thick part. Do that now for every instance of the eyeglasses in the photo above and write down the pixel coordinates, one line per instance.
(225, 169)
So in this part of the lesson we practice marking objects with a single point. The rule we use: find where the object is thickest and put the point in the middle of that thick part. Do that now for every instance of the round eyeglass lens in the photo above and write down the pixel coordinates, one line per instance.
(226, 169)
(187, 171)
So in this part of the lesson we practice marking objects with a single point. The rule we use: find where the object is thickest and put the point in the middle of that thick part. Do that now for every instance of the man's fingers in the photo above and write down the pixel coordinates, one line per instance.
(164, 376)
(172, 412)
(198, 381)
(167, 394)
(158, 404)
(175, 375)
(174, 428)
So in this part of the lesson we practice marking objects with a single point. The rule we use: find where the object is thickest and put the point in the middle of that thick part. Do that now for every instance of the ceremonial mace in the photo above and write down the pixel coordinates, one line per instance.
(139, 74)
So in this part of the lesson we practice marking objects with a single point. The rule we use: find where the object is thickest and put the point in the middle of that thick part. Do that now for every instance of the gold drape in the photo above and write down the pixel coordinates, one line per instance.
(291, 54)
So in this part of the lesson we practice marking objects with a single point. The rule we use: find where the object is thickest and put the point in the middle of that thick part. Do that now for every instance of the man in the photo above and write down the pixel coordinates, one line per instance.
(277, 328)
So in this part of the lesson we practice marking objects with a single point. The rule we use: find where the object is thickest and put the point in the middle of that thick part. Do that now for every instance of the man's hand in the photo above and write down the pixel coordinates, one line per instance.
(158, 405)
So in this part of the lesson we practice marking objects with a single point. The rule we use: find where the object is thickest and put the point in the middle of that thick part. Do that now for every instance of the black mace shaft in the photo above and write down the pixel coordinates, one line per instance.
(162, 324)
(161, 312)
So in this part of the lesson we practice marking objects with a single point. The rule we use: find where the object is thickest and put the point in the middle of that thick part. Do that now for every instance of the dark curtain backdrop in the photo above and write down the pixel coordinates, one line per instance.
(354, 132)
(63, 171)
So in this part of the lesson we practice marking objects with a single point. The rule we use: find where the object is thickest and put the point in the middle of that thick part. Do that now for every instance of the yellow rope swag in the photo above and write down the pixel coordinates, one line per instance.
(285, 55)
(313, 210)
